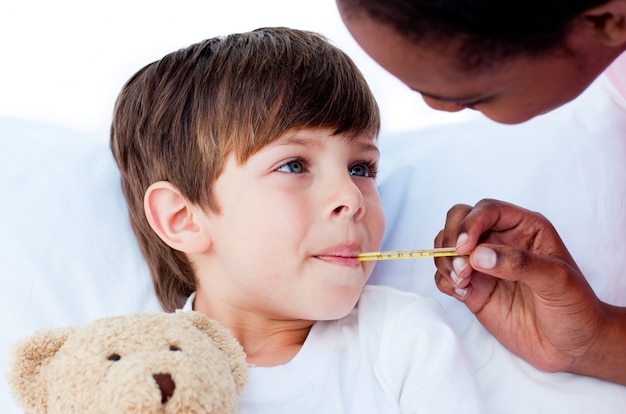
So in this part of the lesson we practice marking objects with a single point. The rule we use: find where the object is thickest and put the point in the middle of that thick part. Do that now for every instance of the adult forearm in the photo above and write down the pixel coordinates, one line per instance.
(606, 357)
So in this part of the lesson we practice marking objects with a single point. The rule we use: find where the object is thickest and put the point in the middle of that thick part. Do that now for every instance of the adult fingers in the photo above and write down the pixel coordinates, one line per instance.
(490, 215)
(449, 267)
(448, 236)
(546, 275)
(450, 287)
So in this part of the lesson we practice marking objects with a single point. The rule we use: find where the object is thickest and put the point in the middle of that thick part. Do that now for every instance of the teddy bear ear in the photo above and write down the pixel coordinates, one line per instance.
(224, 340)
(28, 361)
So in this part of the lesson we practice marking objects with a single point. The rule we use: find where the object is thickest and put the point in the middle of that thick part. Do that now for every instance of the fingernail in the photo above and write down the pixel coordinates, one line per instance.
(455, 278)
(484, 257)
(463, 238)
(461, 292)
(459, 263)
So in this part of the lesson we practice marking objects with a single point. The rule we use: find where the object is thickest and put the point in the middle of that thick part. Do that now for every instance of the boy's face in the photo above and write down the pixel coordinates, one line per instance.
(292, 220)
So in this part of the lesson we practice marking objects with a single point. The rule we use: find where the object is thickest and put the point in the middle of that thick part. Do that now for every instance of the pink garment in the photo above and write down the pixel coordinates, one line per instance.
(616, 73)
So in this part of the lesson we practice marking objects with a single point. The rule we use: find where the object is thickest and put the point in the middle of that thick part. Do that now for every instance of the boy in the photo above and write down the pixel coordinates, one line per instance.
(248, 163)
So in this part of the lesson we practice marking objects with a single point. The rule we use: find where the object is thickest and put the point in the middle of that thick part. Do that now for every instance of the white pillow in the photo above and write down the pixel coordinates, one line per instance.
(570, 165)
(68, 254)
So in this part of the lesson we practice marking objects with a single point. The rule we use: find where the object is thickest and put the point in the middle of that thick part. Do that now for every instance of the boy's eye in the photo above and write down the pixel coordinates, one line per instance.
(293, 166)
(363, 169)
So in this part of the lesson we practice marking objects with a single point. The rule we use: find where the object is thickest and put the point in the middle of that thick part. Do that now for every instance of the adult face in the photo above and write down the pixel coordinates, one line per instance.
(509, 91)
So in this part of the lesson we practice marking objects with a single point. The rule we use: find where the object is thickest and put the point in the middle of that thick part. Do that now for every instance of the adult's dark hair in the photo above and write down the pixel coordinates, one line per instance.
(487, 29)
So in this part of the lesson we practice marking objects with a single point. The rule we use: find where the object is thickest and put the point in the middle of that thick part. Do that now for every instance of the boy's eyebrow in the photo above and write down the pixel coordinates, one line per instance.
(296, 140)
(369, 146)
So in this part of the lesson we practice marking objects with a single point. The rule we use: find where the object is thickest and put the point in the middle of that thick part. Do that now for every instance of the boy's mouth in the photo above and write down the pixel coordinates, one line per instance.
(345, 255)
(350, 261)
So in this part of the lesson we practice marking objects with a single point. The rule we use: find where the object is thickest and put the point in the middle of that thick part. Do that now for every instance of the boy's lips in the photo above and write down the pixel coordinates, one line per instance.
(345, 255)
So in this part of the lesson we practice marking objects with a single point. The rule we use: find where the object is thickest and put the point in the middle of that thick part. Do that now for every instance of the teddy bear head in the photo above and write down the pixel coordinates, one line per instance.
(139, 363)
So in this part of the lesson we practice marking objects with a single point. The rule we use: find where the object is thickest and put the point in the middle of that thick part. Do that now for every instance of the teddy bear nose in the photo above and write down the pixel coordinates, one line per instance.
(166, 385)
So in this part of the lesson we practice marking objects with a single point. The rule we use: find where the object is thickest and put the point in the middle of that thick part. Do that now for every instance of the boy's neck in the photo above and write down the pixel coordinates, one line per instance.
(274, 349)
(266, 342)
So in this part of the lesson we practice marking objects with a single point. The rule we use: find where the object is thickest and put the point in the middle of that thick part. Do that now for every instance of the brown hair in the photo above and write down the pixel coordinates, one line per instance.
(177, 118)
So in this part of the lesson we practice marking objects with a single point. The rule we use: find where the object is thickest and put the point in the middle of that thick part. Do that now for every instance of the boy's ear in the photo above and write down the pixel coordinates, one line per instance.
(178, 222)
(608, 22)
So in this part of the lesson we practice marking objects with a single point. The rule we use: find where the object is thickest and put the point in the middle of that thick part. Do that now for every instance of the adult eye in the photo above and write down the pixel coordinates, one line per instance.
(293, 166)
(364, 169)
(473, 104)
(470, 105)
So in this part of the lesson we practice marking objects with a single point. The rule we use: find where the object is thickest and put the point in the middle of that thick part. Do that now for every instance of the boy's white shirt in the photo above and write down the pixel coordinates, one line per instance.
(394, 353)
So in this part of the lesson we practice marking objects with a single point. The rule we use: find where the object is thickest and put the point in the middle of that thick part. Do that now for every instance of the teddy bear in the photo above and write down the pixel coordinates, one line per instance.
(148, 362)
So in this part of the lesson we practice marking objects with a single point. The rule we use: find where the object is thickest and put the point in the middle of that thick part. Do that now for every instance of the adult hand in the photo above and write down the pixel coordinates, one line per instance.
(524, 287)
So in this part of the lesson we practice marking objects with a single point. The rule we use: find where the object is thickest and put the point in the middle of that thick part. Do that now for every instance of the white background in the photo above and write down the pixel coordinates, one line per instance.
(65, 60)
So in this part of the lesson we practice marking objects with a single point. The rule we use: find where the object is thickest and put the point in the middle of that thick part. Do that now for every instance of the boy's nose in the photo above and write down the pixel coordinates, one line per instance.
(347, 199)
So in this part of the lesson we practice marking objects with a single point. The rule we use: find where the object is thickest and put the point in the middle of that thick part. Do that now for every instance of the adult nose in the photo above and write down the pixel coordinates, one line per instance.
(443, 105)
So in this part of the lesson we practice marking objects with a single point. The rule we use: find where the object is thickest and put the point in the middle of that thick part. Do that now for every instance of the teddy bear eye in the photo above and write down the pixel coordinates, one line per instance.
(174, 348)
(114, 357)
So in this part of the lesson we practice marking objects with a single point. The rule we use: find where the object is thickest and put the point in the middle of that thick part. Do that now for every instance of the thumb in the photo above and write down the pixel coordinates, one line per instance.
(542, 273)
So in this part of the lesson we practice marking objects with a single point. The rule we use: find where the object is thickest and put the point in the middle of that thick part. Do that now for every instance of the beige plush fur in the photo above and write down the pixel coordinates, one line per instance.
(139, 363)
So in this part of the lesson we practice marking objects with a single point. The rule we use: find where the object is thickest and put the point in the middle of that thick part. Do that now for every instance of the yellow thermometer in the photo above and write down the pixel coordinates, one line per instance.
(407, 254)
